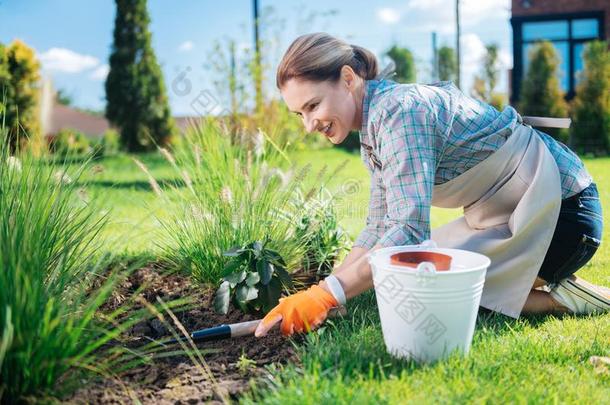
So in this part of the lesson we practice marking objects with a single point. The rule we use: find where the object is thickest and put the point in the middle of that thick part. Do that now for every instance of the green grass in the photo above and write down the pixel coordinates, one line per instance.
(525, 361)
(53, 280)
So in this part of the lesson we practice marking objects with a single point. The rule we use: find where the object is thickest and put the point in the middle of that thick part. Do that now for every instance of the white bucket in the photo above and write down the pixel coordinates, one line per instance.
(427, 314)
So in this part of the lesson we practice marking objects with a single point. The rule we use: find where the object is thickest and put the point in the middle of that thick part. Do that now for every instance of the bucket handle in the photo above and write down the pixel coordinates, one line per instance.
(428, 243)
(426, 268)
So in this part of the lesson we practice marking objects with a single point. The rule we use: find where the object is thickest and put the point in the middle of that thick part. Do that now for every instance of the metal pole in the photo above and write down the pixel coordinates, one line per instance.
(434, 58)
(257, 60)
(457, 40)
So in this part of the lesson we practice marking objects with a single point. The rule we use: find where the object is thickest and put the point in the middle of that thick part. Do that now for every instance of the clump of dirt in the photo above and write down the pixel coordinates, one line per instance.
(177, 380)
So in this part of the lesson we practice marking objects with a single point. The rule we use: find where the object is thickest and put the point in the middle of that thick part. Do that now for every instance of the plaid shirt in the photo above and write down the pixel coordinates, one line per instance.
(415, 136)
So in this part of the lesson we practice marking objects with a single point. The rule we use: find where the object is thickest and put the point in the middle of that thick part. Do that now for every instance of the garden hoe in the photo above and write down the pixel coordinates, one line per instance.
(238, 329)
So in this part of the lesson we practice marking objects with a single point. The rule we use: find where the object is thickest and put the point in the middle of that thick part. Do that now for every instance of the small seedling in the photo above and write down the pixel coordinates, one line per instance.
(244, 364)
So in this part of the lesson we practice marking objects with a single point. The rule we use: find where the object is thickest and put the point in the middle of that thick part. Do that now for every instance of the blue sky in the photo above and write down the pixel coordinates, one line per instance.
(73, 38)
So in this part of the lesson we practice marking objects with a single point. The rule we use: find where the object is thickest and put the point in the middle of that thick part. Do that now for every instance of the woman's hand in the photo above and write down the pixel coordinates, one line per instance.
(299, 312)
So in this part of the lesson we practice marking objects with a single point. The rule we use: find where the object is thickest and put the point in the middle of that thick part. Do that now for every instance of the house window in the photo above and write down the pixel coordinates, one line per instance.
(568, 35)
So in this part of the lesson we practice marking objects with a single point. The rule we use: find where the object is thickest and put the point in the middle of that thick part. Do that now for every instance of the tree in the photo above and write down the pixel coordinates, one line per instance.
(19, 78)
(405, 64)
(63, 98)
(137, 103)
(540, 93)
(485, 83)
(447, 64)
(591, 106)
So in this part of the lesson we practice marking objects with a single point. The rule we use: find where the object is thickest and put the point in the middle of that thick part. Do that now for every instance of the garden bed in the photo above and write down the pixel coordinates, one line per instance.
(176, 379)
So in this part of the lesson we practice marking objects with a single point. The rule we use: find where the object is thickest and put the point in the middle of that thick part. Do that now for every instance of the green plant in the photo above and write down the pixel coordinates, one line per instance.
(70, 142)
(447, 64)
(540, 92)
(19, 78)
(52, 282)
(253, 279)
(591, 106)
(111, 142)
(135, 90)
(318, 227)
(405, 64)
(244, 364)
(231, 196)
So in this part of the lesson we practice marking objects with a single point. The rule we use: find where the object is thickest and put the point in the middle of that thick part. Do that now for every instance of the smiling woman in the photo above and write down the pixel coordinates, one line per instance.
(308, 79)
(524, 194)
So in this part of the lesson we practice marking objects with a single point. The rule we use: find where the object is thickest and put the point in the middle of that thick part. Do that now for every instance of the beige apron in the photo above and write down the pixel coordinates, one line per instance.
(511, 205)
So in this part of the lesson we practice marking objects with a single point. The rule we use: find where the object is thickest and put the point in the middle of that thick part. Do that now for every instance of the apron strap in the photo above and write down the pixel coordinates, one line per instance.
(546, 122)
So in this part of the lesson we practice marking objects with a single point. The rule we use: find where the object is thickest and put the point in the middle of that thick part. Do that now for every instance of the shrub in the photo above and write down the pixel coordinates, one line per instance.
(591, 106)
(19, 77)
(70, 142)
(540, 92)
(110, 143)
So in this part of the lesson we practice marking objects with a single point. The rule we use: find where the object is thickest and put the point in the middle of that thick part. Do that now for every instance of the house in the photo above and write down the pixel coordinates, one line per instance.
(55, 116)
(568, 24)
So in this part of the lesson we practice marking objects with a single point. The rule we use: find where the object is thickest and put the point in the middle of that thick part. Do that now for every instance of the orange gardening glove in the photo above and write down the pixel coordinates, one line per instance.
(299, 312)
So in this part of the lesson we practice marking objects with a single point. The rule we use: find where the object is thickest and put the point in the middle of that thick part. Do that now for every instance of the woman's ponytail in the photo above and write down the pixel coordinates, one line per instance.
(320, 57)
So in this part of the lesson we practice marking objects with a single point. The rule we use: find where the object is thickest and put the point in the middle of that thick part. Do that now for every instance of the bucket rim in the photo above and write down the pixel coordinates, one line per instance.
(486, 261)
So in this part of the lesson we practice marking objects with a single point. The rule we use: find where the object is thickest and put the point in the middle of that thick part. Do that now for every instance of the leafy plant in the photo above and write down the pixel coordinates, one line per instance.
(253, 279)
(231, 196)
(318, 227)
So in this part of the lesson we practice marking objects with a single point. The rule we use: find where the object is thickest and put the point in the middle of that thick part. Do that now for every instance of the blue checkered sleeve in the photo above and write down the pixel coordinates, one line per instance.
(375, 226)
(407, 148)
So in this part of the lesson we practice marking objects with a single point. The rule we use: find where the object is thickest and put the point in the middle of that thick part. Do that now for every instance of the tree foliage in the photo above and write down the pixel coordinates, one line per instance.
(541, 94)
(137, 102)
(405, 64)
(447, 64)
(591, 106)
(19, 79)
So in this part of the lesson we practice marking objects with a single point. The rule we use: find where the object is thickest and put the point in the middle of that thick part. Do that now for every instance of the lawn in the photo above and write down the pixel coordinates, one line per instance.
(530, 360)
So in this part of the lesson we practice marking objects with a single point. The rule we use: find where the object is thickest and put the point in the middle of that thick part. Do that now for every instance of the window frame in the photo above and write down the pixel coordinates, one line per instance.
(518, 43)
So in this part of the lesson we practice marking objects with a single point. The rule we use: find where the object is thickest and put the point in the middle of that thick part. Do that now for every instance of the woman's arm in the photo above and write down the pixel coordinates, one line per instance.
(354, 275)
(356, 253)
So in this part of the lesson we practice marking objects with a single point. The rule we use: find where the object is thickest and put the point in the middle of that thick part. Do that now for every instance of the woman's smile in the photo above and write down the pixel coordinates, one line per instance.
(327, 130)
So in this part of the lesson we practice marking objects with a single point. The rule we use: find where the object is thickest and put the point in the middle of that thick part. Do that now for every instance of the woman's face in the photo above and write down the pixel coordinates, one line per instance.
(333, 109)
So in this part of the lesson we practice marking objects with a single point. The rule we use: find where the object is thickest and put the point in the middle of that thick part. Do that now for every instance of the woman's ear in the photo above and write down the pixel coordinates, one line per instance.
(348, 76)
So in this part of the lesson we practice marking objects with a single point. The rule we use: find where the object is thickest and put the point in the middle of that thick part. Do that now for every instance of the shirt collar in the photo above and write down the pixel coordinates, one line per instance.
(369, 90)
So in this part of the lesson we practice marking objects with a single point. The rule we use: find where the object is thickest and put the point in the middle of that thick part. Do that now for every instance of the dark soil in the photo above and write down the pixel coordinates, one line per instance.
(178, 380)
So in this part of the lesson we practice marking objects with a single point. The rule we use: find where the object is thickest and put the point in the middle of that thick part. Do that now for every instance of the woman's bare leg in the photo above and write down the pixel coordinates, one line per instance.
(541, 302)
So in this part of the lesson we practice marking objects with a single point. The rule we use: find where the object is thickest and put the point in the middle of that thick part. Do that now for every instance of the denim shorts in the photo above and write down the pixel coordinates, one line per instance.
(577, 235)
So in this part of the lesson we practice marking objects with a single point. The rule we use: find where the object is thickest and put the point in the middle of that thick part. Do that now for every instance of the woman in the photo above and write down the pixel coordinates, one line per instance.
(529, 203)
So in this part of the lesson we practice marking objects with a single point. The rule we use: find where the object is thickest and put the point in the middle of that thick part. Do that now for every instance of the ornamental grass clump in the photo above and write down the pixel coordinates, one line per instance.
(231, 195)
(52, 282)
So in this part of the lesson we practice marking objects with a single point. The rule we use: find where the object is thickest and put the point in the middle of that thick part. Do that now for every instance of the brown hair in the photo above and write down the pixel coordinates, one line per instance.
(320, 56)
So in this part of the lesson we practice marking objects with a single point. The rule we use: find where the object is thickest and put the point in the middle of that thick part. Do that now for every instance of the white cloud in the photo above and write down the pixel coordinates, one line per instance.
(442, 12)
(388, 15)
(472, 53)
(100, 72)
(505, 59)
(186, 46)
(66, 61)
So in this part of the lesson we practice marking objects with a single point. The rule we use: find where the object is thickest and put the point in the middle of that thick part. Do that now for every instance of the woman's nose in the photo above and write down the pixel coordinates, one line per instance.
(311, 124)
